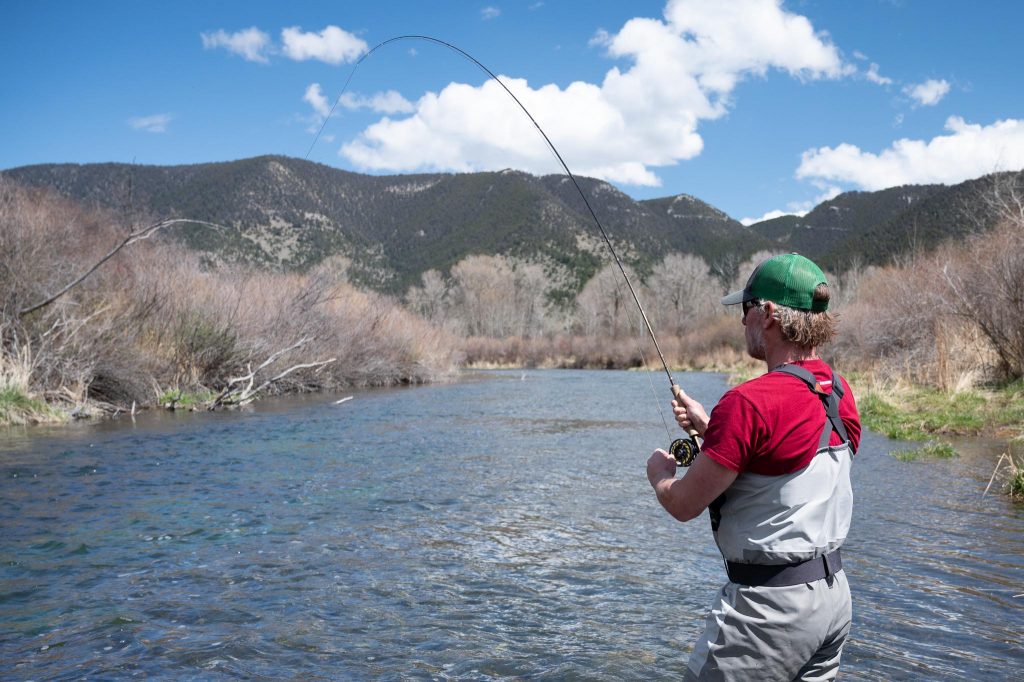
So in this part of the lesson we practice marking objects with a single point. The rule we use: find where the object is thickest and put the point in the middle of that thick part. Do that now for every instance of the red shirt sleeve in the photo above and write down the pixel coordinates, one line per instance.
(736, 432)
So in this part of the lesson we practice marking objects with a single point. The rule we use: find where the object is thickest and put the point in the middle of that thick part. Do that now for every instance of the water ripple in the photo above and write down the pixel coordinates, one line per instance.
(450, 532)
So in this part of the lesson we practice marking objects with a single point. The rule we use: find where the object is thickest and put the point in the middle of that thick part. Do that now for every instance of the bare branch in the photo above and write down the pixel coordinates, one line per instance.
(236, 396)
(137, 235)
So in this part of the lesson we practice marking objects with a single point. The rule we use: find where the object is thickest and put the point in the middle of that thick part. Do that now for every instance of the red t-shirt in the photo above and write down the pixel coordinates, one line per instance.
(771, 425)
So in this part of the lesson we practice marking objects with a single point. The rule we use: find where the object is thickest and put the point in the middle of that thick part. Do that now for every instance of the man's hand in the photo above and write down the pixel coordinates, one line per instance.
(685, 498)
(661, 466)
(689, 413)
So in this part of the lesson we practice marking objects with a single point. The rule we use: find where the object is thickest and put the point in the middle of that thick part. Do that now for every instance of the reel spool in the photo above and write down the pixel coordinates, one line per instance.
(685, 450)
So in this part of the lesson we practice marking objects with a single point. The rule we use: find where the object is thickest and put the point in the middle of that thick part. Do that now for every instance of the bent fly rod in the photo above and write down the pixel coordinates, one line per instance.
(684, 450)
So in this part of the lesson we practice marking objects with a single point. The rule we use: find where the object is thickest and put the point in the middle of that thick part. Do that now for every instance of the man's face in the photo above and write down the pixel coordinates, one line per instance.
(753, 333)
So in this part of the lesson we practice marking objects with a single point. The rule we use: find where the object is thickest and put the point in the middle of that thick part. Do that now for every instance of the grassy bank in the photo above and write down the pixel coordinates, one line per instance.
(904, 411)
(17, 408)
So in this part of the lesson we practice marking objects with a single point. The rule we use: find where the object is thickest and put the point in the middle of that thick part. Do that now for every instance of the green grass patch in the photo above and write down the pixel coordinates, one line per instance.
(932, 450)
(882, 416)
(185, 400)
(1016, 484)
(1013, 482)
(906, 412)
(18, 408)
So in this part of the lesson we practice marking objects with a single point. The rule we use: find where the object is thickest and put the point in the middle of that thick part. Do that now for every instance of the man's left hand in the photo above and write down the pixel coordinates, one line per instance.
(660, 466)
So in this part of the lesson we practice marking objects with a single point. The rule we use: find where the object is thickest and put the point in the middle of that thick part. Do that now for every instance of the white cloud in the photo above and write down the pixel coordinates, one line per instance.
(601, 38)
(928, 93)
(389, 102)
(872, 75)
(157, 123)
(681, 70)
(968, 151)
(316, 99)
(331, 45)
(251, 43)
(799, 208)
(770, 215)
(490, 13)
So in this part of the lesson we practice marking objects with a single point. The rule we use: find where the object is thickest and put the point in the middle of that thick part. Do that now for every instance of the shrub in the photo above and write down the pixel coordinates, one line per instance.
(153, 318)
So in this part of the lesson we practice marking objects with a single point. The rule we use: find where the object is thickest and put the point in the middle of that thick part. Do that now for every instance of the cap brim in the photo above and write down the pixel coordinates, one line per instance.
(733, 298)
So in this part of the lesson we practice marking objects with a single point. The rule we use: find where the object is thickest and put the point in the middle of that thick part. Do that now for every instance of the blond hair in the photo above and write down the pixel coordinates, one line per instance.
(807, 328)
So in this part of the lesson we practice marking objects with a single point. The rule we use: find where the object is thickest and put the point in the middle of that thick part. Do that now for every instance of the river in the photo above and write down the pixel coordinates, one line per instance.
(499, 527)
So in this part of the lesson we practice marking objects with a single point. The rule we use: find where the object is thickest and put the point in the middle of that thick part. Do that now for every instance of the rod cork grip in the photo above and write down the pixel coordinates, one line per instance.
(676, 391)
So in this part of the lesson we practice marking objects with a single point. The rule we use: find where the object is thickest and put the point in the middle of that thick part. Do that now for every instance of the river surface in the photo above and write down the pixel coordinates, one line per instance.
(499, 527)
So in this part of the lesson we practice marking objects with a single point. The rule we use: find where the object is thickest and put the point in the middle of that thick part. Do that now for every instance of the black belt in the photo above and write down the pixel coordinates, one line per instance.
(784, 575)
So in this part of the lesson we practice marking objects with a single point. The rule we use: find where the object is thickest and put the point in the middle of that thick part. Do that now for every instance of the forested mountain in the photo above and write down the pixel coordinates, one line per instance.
(847, 216)
(289, 213)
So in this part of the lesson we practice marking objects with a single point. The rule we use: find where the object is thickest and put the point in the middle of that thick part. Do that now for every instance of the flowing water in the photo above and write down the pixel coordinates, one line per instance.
(499, 527)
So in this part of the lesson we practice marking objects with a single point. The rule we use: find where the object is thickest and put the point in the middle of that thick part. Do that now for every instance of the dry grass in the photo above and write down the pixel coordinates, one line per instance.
(716, 344)
(153, 319)
(1013, 478)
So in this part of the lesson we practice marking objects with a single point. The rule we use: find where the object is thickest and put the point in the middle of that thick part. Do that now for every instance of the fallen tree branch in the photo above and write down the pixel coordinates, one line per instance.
(137, 235)
(233, 396)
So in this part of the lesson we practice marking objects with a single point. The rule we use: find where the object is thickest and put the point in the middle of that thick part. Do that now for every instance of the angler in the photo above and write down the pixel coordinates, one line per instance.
(774, 472)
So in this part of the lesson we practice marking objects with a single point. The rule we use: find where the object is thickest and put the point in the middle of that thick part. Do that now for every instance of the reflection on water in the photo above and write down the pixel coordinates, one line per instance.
(487, 529)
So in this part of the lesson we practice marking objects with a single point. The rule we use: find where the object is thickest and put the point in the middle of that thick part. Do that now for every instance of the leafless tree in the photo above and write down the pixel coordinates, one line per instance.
(497, 296)
(604, 307)
(430, 299)
(683, 291)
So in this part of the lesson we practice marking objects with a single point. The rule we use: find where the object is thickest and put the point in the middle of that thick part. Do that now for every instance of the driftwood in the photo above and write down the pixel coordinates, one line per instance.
(135, 236)
(239, 390)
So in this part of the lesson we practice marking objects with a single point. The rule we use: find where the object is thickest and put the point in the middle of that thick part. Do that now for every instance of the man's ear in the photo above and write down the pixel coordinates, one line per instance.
(768, 319)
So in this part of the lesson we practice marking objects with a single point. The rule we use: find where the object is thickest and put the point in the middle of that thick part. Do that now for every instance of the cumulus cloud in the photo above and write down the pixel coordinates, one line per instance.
(799, 208)
(332, 45)
(157, 123)
(967, 151)
(874, 76)
(928, 93)
(490, 13)
(389, 102)
(251, 44)
(770, 215)
(316, 99)
(680, 70)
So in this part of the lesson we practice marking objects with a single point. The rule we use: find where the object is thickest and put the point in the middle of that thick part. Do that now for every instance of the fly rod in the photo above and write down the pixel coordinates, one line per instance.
(684, 450)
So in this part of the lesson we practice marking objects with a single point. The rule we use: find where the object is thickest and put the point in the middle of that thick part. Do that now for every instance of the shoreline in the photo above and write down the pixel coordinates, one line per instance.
(897, 409)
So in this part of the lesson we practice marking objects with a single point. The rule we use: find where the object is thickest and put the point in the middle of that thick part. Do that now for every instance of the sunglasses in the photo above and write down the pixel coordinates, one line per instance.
(747, 305)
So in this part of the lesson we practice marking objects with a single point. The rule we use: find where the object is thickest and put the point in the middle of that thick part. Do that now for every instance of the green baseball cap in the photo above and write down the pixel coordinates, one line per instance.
(789, 280)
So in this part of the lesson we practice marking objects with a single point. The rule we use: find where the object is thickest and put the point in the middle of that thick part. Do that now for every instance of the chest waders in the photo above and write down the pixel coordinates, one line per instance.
(801, 571)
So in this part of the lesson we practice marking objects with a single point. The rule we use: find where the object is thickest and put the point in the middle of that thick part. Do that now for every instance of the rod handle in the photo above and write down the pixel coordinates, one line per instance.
(676, 393)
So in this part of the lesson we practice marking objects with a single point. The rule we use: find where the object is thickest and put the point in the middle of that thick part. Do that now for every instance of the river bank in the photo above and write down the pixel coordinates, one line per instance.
(904, 411)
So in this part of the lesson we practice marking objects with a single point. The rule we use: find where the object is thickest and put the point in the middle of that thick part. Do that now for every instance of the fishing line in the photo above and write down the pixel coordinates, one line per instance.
(683, 450)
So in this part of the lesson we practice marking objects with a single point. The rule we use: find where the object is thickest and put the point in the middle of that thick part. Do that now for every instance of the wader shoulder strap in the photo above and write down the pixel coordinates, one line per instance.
(830, 401)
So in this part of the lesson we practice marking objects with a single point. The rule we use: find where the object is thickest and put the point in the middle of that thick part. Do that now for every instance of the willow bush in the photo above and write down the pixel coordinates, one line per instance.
(154, 318)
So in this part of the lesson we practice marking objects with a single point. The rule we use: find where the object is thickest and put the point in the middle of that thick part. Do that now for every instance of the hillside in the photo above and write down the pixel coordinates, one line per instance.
(291, 214)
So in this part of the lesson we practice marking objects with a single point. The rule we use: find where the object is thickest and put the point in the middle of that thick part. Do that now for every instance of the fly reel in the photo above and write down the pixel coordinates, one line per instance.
(684, 450)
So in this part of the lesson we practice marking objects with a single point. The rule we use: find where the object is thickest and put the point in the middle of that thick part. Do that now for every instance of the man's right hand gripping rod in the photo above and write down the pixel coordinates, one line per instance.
(685, 450)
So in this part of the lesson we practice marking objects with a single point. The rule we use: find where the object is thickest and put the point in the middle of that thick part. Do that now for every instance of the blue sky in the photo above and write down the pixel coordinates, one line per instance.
(755, 106)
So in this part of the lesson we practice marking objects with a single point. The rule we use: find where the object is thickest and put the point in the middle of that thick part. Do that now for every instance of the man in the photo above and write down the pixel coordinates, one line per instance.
(774, 469)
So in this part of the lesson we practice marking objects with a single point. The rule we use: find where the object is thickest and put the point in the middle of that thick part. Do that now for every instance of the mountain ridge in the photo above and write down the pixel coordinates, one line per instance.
(292, 214)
